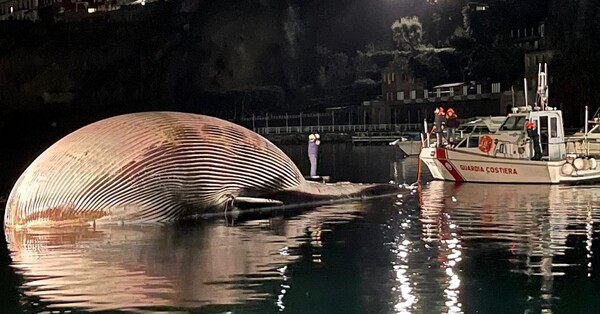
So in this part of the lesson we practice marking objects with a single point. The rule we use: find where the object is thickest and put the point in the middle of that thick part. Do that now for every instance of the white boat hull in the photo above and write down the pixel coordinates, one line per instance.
(464, 166)
(410, 148)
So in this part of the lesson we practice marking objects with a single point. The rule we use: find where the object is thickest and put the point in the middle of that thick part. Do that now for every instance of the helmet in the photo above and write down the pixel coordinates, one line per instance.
(311, 137)
(317, 136)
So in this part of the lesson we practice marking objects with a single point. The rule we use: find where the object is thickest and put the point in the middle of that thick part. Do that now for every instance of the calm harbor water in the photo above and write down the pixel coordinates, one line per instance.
(440, 248)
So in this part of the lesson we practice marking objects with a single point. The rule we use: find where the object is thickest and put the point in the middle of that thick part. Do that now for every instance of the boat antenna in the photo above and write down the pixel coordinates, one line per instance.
(512, 92)
(546, 88)
(525, 90)
(542, 89)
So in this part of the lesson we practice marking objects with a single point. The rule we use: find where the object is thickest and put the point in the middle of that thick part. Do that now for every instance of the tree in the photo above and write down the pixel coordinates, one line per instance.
(407, 33)
(363, 65)
(429, 66)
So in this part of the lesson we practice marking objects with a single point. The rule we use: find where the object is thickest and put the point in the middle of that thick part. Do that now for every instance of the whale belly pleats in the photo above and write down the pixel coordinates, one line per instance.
(146, 167)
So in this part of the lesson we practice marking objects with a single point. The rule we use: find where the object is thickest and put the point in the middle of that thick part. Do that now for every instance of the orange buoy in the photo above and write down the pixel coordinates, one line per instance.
(485, 143)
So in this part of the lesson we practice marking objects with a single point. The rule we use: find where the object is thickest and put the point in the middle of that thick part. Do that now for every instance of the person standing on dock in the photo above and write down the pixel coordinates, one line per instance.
(313, 150)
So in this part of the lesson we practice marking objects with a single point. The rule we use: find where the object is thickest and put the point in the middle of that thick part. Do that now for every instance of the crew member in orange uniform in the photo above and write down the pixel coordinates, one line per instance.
(533, 135)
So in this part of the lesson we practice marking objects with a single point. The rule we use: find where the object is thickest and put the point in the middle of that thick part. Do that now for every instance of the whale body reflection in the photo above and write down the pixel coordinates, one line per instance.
(143, 267)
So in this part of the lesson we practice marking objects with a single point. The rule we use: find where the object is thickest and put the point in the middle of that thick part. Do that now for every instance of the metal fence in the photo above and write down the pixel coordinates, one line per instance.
(341, 128)
(330, 122)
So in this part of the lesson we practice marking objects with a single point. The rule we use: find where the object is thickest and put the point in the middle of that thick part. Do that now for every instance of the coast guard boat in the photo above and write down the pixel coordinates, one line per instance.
(505, 156)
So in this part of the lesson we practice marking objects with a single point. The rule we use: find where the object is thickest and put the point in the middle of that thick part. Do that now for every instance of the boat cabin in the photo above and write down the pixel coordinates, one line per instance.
(549, 129)
(510, 138)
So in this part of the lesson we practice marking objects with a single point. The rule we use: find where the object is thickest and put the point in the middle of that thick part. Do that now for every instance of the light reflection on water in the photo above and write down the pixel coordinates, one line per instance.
(530, 223)
(442, 248)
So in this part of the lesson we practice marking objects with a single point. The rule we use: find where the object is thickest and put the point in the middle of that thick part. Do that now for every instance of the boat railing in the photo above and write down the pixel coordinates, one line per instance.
(578, 145)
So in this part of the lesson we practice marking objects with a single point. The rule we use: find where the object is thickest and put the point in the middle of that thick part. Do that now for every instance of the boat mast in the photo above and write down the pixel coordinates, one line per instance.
(525, 90)
(542, 90)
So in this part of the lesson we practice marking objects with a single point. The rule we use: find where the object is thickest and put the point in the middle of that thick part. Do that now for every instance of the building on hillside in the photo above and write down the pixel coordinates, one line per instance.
(69, 9)
(477, 6)
(534, 41)
(400, 85)
(19, 9)
(405, 99)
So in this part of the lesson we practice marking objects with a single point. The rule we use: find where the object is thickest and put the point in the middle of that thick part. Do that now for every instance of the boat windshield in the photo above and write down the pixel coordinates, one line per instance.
(513, 123)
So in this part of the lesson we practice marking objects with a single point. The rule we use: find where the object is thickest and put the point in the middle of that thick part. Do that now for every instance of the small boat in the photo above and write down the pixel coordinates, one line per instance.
(507, 155)
(587, 140)
(411, 146)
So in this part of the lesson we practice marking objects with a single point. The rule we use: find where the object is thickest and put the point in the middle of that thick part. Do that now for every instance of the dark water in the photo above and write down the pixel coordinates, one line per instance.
(441, 248)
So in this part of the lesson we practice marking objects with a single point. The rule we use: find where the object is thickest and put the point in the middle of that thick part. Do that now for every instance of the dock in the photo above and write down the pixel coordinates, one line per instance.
(384, 138)
(366, 138)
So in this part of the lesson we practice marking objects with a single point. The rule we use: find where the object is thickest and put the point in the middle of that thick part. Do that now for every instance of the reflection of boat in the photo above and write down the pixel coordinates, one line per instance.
(411, 145)
(506, 155)
(537, 228)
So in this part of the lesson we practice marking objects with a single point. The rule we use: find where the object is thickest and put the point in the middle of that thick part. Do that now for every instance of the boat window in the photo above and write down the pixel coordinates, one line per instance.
(553, 127)
(543, 129)
(463, 143)
(513, 123)
(483, 130)
(473, 141)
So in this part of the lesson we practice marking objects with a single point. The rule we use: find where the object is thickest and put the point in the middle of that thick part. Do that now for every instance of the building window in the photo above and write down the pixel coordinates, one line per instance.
(400, 95)
(393, 76)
